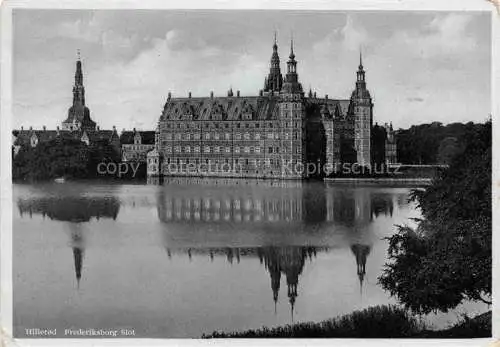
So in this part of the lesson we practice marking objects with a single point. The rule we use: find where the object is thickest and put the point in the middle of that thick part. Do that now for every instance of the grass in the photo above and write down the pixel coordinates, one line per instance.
(373, 322)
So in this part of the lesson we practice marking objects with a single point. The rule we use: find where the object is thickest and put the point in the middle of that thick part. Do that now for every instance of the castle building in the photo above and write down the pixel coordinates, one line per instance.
(275, 134)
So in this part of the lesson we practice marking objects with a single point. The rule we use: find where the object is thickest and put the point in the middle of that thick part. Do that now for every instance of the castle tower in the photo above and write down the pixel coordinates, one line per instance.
(274, 80)
(291, 84)
(390, 145)
(362, 107)
(292, 118)
(361, 253)
(78, 114)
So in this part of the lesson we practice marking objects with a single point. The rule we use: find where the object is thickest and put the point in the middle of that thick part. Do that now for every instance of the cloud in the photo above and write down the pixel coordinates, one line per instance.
(432, 62)
(415, 99)
(139, 87)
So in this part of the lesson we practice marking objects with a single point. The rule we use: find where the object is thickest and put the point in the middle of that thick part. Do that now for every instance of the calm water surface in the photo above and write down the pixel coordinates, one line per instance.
(190, 257)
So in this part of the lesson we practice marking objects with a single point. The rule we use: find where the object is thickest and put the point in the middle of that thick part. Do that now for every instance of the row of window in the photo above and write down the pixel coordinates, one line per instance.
(227, 136)
(221, 149)
(257, 125)
(137, 147)
(236, 161)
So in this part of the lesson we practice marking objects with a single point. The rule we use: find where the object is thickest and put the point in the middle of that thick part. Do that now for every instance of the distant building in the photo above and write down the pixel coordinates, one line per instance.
(273, 134)
(136, 145)
(77, 126)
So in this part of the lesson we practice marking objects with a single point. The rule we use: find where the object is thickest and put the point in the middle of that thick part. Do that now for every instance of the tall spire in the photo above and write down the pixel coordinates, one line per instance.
(360, 60)
(78, 89)
(292, 85)
(274, 80)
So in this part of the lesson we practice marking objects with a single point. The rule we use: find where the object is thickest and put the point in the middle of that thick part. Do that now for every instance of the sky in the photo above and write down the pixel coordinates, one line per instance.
(420, 67)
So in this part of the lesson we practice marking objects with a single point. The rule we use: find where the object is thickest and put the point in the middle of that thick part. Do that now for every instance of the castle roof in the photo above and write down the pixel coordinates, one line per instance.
(23, 137)
(235, 108)
(147, 137)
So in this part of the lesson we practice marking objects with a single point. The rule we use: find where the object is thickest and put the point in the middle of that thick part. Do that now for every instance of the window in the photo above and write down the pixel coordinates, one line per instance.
(188, 136)
(257, 136)
(207, 136)
(228, 149)
(247, 149)
(178, 136)
(247, 136)
(237, 149)
(270, 136)
(216, 136)
(227, 136)
(238, 136)
(257, 125)
(187, 149)
(177, 149)
(270, 150)
(197, 149)
(257, 149)
(216, 149)
(207, 149)
(196, 136)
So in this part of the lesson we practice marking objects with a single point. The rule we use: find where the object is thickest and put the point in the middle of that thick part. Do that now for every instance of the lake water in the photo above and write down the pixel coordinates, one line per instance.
(192, 256)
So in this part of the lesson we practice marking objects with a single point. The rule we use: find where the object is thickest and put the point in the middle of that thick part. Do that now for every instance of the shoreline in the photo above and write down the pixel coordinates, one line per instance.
(381, 181)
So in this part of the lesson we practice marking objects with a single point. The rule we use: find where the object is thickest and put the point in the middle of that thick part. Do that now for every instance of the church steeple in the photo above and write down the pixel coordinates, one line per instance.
(78, 114)
(78, 89)
(274, 80)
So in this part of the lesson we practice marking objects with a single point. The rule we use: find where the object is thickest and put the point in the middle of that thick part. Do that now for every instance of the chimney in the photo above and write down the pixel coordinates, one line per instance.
(114, 129)
(169, 95)
(21, 128)
(326, 96)
(98, 128)
(44, 128)
(134, 130)
(31, 128)
(238, 93)
(57, 130)
(315, 95)
(189, 95)
(211, 95)
(261, 92)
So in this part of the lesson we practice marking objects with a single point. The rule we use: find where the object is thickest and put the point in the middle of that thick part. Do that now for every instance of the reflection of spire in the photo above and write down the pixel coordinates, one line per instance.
(78, 257)
(361, 252)
(78, 252)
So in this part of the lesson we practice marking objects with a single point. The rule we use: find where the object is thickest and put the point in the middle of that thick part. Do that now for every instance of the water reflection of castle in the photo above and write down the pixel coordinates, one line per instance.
(265, 202)
(276, 205)
(75, 210)
(278, 261)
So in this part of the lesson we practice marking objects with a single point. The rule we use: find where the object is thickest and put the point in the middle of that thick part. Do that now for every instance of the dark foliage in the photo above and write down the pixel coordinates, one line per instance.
(420, 144)
(373, 322)
(101, 152)
(447, 259)
(51, 159)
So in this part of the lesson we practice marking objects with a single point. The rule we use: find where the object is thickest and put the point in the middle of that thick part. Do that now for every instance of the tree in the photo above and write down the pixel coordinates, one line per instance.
(51, 159)
(447, 258)
(449, 147)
